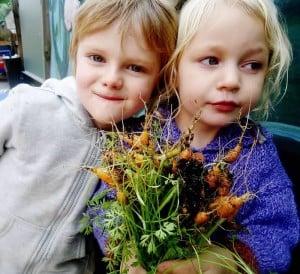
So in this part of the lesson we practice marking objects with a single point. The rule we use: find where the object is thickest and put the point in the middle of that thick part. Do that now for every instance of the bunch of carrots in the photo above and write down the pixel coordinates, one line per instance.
(168, 201)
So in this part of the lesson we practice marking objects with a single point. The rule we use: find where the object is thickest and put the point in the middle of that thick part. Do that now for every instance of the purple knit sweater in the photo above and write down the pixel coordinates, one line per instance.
(270, 219)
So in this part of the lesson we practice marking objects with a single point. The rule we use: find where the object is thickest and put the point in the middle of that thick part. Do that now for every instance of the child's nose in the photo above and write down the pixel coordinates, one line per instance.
(230, 79)
(112, 79)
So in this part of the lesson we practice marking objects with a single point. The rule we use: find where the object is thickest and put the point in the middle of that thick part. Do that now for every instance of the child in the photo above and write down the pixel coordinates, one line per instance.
(230, 60)
(47, 133)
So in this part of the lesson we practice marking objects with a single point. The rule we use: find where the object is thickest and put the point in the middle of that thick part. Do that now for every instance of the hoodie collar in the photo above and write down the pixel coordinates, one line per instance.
(67, 91)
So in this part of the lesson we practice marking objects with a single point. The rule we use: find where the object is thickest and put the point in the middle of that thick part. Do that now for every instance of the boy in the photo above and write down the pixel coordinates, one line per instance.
(48, 133)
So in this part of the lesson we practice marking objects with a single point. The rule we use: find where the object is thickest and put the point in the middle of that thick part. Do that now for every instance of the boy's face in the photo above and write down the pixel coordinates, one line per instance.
(222, 71)
(115, 75)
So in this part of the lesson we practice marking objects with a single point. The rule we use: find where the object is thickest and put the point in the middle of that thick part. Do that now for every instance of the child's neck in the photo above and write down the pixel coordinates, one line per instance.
(203, 134)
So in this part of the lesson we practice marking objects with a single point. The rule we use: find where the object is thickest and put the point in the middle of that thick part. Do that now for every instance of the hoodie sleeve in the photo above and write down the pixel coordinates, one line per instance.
(270, 219)
(8, 120)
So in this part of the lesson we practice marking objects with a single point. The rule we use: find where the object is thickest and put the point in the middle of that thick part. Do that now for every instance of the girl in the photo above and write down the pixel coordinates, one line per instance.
(230, 60)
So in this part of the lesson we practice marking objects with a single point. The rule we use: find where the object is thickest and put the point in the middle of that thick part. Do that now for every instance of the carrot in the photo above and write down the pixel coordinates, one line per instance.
(213, 176)
(186, 154)
(225, 209)
(105, 175)
(174, 166)
(233, 154)
(228, 206)
(198, 156)
(201, 218)
(144, 138)
(223, 190)
(128, 139)
(238, 201)
(225, 184)
(138, 142)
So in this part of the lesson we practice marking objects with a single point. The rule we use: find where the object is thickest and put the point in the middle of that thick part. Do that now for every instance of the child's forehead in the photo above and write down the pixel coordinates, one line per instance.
(220, 6)
(140, 35)
(227, 11)
(226, 26)
(209, 9)
(208, 15)
(125, 29)
(125, 37)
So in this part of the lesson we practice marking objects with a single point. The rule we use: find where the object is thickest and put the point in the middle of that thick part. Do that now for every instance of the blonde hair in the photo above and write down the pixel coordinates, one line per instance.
(194, 12)
(156, 19)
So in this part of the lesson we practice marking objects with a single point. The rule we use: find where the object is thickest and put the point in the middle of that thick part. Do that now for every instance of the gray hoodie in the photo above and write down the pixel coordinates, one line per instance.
(45, 138)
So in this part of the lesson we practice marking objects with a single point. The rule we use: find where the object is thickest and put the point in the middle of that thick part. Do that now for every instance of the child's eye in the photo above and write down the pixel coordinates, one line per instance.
(135, 68)
(210, 61)
(96, 58)
(253, 66)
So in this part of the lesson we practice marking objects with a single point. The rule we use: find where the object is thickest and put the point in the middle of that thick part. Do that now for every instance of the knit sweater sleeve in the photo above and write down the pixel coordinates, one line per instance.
(96, 213)
(270, 219)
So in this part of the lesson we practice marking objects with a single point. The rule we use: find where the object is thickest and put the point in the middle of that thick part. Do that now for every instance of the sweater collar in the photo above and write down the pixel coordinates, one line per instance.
(227, 137)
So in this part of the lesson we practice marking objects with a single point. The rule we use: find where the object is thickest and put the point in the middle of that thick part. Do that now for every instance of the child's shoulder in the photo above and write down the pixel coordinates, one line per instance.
(28, 94)
(59, 86)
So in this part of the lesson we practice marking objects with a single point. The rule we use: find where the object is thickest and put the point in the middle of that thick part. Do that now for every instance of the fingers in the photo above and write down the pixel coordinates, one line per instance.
(136, 270)
(132, 269)
(164, 267)
(178, 267)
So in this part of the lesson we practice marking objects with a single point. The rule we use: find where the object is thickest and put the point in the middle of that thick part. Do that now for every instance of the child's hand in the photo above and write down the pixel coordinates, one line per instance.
(136, 270)
(132, 269)
(216, 260)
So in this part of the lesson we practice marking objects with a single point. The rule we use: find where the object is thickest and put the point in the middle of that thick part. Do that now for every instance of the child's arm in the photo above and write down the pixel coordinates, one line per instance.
(96, 213)
(8, 110)
(131, 269)
(270, 219)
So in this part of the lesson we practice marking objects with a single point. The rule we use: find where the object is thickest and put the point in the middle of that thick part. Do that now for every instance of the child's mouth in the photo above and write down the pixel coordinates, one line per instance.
(109, 97)
(225, 106)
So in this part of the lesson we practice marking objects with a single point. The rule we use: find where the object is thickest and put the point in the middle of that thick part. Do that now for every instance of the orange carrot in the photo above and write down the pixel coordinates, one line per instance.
(213, 176)
(233, 154)
(198, 156)
(105, 175)
(144, 138)
(227, 206)
(186, 154)
(201, 218)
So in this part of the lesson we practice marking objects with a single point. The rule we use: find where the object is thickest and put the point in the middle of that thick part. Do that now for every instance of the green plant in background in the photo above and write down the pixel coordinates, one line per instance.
(5, 8)
(168, 203)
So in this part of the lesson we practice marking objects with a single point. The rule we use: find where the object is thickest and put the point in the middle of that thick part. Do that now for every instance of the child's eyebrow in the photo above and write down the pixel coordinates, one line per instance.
(256, 50)
(149, 63)
(140, 61)
(96, 50)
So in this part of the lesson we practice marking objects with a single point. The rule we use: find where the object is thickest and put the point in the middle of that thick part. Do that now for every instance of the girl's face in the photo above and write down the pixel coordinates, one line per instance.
(115, 75)
(221, 72)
